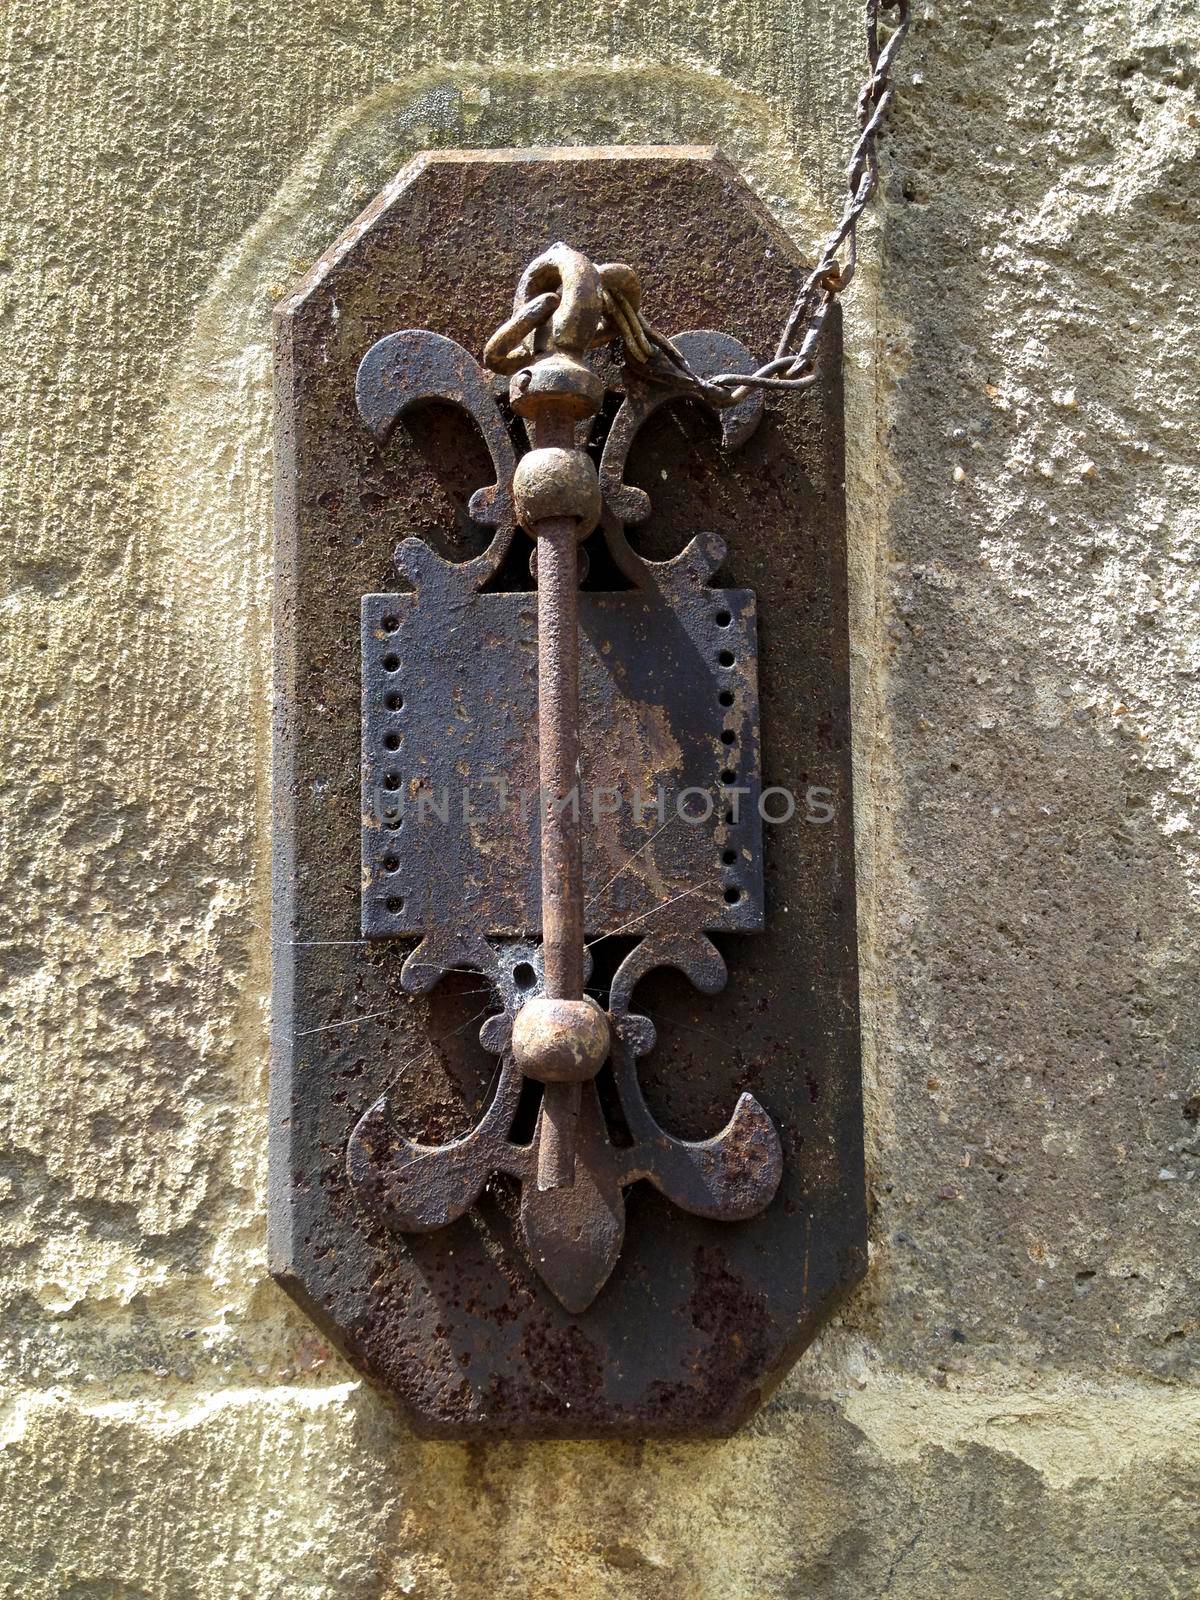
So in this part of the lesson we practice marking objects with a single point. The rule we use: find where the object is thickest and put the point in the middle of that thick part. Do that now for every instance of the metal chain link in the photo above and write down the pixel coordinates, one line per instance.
(792, 365)
(651, 353)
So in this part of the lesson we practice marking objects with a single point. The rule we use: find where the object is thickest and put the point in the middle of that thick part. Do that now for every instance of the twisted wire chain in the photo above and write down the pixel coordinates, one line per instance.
(652, 354)
(792, 366)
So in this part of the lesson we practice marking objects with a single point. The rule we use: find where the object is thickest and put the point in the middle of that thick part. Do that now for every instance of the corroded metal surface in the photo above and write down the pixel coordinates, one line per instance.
(452, 675)
(697, 1319)
(416, 694)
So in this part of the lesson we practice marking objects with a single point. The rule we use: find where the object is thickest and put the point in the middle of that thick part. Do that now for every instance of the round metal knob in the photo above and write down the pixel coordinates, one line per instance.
(560, 1041)
(551, 484)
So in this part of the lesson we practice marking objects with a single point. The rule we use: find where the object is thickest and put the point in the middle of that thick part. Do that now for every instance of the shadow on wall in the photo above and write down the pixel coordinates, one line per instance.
(1037, 875)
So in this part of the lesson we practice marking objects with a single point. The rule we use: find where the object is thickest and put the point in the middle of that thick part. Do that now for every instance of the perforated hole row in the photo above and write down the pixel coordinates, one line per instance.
(390, 739)
(726, 699)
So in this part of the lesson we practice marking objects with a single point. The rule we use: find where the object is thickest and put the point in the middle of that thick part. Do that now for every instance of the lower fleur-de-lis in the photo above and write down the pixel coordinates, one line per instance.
(573, 1235)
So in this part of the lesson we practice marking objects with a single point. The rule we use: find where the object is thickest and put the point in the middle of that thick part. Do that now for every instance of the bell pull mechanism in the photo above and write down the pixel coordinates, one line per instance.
(572, 1176)
(521, 768)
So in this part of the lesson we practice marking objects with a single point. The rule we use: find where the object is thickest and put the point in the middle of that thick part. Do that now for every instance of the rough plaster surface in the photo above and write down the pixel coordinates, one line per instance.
(1008, 1407)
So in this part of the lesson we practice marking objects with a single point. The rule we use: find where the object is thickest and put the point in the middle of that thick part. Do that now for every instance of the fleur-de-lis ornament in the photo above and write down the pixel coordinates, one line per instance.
(573, 1174)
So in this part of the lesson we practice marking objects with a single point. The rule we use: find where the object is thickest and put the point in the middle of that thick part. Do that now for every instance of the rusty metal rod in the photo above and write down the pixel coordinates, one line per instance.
(558, 759)
(556, 495)
(561, 841)
(558, 779)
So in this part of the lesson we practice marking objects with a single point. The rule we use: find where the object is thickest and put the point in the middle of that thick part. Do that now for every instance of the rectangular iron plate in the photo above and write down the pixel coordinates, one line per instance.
(450, 761)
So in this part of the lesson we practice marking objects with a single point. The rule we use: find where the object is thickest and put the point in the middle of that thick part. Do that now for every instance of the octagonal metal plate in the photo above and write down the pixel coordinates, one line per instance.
(700, 1318)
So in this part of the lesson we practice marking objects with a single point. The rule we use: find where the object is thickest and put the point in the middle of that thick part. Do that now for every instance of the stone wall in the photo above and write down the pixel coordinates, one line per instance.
(1008, 1406)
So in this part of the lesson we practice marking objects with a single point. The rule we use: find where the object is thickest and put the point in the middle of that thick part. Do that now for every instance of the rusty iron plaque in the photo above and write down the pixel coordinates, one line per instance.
(713, 660)
(449, 688)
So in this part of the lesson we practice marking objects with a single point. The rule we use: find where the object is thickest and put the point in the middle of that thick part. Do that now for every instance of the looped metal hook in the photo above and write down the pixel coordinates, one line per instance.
(573, 325)
(506, 351)
(565, 303)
